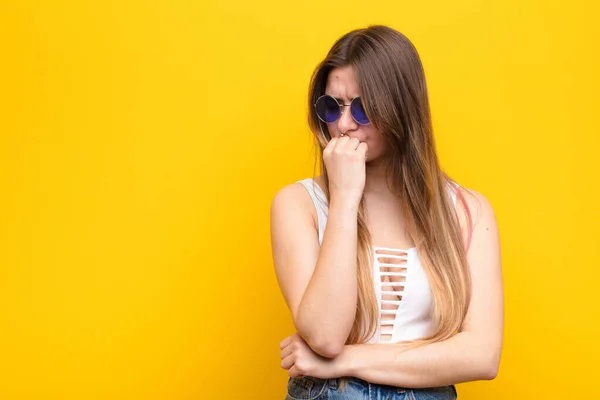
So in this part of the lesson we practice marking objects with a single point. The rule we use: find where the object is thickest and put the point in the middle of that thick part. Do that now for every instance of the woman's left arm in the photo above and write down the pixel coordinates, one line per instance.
(471, 354)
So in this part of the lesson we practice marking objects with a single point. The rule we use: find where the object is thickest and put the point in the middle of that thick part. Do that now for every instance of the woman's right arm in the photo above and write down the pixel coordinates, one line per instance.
(318, 286)
(319, 283)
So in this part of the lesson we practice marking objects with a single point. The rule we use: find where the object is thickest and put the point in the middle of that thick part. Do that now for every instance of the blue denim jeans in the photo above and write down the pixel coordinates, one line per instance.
(308, 388)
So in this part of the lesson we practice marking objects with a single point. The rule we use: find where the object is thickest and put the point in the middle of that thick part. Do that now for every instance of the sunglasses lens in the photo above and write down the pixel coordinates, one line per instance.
(358, 112)
(328, 109)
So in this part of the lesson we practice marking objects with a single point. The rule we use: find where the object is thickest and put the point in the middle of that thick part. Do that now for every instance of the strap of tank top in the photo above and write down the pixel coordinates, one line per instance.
(320, 201)
(452, 190)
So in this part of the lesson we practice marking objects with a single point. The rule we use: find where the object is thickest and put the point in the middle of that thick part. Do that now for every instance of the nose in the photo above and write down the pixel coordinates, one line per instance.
(346, 123)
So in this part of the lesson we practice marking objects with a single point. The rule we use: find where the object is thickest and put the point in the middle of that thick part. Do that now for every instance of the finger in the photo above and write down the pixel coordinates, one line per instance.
(341, 142)
(286, 352)
(363, 148)
(330, 145)
(353, 143)
(287, 362)
(293, 372)
(347, 144)
(286, 342)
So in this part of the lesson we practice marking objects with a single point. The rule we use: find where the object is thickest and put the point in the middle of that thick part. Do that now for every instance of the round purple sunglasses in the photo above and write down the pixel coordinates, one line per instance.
(329, 110)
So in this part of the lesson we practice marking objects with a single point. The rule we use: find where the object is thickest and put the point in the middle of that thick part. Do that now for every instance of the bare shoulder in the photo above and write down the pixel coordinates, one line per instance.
(291, 199)
(293, 219)
(481, 235)
(295, 198)
(477, 205)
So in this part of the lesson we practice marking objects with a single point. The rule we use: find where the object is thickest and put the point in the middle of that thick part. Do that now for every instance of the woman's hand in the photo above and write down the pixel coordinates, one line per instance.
(345, 159)
(300, 360)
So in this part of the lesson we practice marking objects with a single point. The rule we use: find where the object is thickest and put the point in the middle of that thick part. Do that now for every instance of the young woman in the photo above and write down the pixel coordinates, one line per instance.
(391, 270)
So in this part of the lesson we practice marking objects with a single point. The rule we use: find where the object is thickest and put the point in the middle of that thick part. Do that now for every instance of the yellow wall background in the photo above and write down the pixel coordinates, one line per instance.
(141, 143)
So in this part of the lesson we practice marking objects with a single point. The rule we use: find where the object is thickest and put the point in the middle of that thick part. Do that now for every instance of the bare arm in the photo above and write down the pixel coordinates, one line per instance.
(318, 283)
(472, 354)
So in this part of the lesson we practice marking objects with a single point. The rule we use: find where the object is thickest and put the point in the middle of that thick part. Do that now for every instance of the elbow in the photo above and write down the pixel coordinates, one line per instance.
(493, 369)
(485, 359)
(488, 369)
(324, 346)
(327, 348)
(488, 373)
(325, 343)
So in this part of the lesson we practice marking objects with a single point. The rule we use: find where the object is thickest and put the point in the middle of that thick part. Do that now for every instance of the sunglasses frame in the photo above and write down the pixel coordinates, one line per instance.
(342, 107)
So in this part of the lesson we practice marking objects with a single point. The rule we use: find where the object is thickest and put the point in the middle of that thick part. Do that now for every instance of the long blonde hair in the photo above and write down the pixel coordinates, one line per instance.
(394, 94)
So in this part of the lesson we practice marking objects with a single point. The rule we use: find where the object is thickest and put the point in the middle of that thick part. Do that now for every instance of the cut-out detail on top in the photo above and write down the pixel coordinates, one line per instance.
(390, 272)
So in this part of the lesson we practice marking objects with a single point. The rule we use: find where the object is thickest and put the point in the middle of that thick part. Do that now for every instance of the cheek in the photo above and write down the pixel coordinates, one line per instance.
(376, 142)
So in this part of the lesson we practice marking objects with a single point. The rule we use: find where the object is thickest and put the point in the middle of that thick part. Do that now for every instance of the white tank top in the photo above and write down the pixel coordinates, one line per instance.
(404, 307)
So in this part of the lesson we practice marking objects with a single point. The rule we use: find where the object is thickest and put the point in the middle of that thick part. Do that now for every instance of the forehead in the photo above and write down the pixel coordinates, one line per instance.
(342, 83)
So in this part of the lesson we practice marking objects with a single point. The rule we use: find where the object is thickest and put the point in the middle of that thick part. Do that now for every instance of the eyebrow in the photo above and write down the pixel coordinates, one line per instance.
(339, 100)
